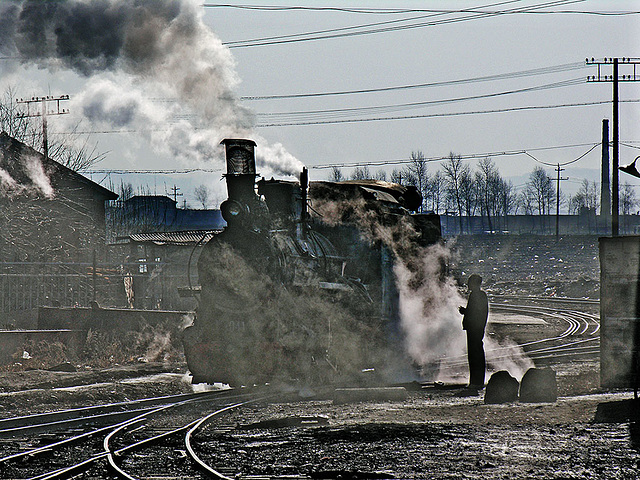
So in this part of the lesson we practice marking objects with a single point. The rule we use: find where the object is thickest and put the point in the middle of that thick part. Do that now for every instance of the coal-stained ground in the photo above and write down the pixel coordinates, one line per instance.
(439, 434)
(439, 431)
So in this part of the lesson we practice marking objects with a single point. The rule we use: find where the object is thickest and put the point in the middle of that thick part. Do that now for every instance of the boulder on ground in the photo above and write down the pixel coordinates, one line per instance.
(539, 385)
(501, 388)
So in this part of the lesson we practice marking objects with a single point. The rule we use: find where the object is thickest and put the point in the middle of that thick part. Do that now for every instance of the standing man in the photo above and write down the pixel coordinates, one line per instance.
(474, 322)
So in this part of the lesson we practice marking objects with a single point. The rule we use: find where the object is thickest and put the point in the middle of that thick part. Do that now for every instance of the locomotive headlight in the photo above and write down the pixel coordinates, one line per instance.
(232, 210)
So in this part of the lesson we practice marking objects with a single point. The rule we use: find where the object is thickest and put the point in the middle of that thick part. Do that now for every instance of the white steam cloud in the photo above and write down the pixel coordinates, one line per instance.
(429, 311)
(433, 325)
(36, 181)
(154, 67)
(35, 171)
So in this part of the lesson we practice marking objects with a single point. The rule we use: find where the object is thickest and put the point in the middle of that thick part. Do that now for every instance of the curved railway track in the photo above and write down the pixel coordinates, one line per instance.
(576, 333)
(159, 436)
(120, 439)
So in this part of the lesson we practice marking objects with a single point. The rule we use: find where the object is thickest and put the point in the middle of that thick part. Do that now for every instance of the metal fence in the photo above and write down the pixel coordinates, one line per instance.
(148, 285)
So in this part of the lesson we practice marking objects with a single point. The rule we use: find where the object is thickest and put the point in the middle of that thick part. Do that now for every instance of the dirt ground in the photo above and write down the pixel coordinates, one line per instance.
(438, 431)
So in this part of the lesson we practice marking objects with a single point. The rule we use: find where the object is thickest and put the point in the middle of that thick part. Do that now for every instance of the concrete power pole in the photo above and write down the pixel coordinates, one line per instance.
(44, 112)
(615, 78)
(605, 187)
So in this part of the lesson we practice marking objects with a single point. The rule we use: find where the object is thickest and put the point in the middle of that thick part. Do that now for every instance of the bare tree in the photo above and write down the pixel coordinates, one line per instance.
(436, 191)
(507, 199)
(125, 192)
(454, 171)
(417, 175)
(526, 201)
(201, 194)
(397, 176)
(336, 175)
(540, 185)
(381, 175)
(13, 122)
(539, 193)
(585, 197)
(361, 173)
(468, 194)
(628, 199)
(488, 183)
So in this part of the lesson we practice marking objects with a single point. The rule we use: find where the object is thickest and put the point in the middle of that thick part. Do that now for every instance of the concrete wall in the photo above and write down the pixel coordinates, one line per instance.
(539, 225)
(105, 318)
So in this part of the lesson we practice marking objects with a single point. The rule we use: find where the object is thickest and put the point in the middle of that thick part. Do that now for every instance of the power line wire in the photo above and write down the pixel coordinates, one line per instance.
(464, 157)
(375, 119)
(396, 11)
(153, 172)
(353, 27)
(502, 76)
(339, 33)
(404, 106)
(565, 163)
(437, 115)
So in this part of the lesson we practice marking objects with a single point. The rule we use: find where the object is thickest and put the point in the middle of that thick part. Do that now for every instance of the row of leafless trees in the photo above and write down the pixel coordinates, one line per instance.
(458, 189)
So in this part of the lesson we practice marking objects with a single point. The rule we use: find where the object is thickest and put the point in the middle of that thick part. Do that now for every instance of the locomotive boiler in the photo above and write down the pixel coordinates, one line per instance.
(299, 287)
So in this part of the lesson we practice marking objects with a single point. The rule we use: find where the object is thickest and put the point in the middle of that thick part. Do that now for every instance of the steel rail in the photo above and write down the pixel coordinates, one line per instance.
(559, 350)
(200, 423)
(595, 351)
(574, 318)
(588, 301)
(113, 456)
(97, 410)
(76, 468)
(112, 464)
(578, 324)
(107, 418)
(573, 325)
(66, 472)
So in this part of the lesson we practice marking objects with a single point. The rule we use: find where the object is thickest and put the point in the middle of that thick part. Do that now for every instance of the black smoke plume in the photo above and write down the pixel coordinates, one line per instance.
(134, 53)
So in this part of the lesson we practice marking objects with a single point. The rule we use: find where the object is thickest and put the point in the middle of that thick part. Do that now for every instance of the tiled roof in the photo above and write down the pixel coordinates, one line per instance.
(191, 237)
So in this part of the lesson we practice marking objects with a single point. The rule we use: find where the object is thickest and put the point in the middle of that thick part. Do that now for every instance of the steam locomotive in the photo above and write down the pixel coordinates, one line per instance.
(300, 285)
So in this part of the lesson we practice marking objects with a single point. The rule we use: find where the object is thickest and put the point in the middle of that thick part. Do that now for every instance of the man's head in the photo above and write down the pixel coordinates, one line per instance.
(474, 281)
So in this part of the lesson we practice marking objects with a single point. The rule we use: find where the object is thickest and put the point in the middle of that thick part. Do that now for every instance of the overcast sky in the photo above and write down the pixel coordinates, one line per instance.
(493, 77)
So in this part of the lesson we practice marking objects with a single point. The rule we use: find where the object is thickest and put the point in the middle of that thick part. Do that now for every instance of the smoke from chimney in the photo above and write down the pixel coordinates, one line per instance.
(136, 55)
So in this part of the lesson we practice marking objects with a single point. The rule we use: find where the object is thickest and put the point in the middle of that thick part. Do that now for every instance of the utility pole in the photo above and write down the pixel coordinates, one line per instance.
(44, 112)
(615, 78)
(175, 190)
(558, 169)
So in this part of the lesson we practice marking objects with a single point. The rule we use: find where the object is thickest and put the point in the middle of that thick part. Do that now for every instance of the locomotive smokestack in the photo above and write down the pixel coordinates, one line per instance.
(243, 205)
(241, 168)
(240, 155)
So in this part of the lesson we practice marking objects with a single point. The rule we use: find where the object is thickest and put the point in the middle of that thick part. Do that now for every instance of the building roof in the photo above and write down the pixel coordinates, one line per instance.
(186, 238)
(17, 162)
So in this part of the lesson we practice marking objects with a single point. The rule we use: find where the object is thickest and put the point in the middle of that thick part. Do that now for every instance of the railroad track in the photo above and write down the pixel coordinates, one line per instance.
(97, 439)
(580, 338)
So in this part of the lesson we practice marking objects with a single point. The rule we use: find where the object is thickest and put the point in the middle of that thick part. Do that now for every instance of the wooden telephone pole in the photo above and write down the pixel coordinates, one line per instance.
(44, 112)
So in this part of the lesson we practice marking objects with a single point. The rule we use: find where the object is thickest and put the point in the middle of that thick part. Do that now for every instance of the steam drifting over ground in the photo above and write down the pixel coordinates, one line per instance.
(428, 298)
(429, 310)
(153, 67)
